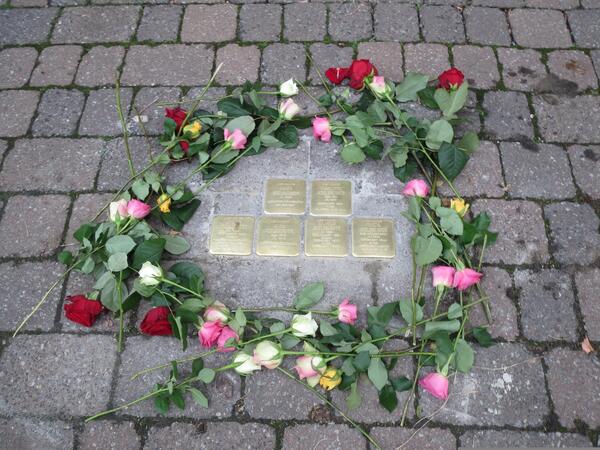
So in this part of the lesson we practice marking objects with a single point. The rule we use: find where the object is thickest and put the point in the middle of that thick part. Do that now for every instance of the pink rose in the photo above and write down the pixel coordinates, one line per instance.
(463, 279)
(209, 333)
(436, 384)
(237, 138)
(443, 275)
(138, 209)
(347, 312)
(289, 109)
(226, 334)
(321, 129)
(304, 367)
(416, 187)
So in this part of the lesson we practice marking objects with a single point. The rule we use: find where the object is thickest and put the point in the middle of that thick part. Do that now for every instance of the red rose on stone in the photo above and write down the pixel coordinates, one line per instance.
(82, 310)
(451, 79)
(337, 74)
(156, 322)
(358, 71)
(177, 114)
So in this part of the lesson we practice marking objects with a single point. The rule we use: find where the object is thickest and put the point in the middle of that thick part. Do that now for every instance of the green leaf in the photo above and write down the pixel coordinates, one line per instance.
(440, 131)
(406, 172)
(244, 123)
(352, 154)
(85, 231)
(197, 365)
(103, 279)
(193, 304)
(221, 157)
(398, 153)
(131, 302)
(287, 135)
(150, 250)
(427, 250)
(240, 317)
(388, 398)
(353, 400)
(361, 361)
(309, 296)
(161, 402)
(65, 257)
(454, 311)
(451, 102)
(469, 142)
(88, 265)
(410, 86)
(452, 160)
(177, 399)
(401, 384)
(120, 244)
(464, 356)
(406, 310)
(426, 97)
(414, 208)
(232, 107)
(327, 329)
(434, 326)
(175, 245)
(483, 336)
(189, 275)
(141, 189)
(377, 373)
(198, 397)
(450, 221)
(206, 375)
(374, 149)
(385, 313)
(117, 262)
(288, 341)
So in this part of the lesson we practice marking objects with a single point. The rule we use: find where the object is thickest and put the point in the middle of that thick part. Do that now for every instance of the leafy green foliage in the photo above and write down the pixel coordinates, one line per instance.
(309, 296)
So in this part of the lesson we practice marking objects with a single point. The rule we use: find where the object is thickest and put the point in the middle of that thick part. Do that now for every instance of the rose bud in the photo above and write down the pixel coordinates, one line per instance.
(460, 206)
(117, 210)
(185, 146)
(358, 71)
(288, 88)
(347, 312)
(217, 312)
(337, 74)
(268, 354)
(164, 203)
(193, 129)
(451, 79)
(156, 322)
(443, 276)
(310, 368)
(330, 379)
(436, 384)
(416, 187)
(177, 114)
(379, 87)
(304, 325)
(246, 364)
(321, 129)
(138, 209)
(209, 333)
(227, 333)
(82, 310)
(150, 274)
(464, 279)
(288, 109)
(236, 139)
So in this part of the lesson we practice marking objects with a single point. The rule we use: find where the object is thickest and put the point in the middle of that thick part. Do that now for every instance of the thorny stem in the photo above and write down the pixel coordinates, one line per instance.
(123, 126)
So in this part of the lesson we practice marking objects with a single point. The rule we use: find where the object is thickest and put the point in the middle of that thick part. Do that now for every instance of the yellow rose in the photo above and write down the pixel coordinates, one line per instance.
(164, 203)
(459, 205)
(330, 379)
(193, 129)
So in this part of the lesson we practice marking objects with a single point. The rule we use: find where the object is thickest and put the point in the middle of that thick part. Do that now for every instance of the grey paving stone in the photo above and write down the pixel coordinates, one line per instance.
(350, 21)
(588, 286)
(99, 66)
(500, 3)
(304, 21)
(16, 65)
(507, 116)
(30, 434)
(325, 56)
(210, 99)
(160, 23)
(575, 66)
(152, 115)
(56, 65)
(65, 365)
(87, 24)
(389, 28)
(386, 56)
(22, 287)
(331, 437)
(573, 232)
(16, 111)
(226, 435)
(570, 404)
(58, 112)
(478, 64)
(481, 176)
(85, 207)
(209, 23)
(563, 119)
(522, 70)
(590, 4)
(546, 303)
(281, 62)
(28, 3)
(585, 26)
(539, 28)
(25, 26)
(167, 65)
(558, 4)
(44, 219)
(240, 64)
(100, 117)
(425, 438)
(222, 393)
(505, 387)
(109, 435)
(260, 22)
(522, 439)
(585, 161)
(442, 24)
(521, 238)
(487, 26)
(429, 59)
(529, 167)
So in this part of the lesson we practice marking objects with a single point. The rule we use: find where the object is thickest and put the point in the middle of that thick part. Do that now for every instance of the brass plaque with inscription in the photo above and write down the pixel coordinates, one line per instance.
(331, 198)
(373, 238)
(231, 235)
(278, 236)
(326, 237)
(285, 196)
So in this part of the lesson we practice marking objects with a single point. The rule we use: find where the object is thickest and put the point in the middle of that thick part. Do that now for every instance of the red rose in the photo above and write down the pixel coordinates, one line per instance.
(177, 114)
(82, 310)
(185, 145)
(358, 71)
(451, 79)
(337, 74)
(156, 322)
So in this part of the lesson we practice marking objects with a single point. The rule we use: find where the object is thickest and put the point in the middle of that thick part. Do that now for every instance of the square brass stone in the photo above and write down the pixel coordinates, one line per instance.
(326, 237)
(331, 198)
(285, 196)
(278, 236)
(231, 235)
(373, 238)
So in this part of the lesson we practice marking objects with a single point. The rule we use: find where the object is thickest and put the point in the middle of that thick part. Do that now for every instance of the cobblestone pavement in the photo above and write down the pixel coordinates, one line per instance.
(534, 65)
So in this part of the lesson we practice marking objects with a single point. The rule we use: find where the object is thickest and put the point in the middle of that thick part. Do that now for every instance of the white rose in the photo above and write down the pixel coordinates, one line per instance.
(288, 88)
(117, 210)
(303, 326)
(217, 312)
(150, 274)
(288, 109)
(268, 354)
(246, 364)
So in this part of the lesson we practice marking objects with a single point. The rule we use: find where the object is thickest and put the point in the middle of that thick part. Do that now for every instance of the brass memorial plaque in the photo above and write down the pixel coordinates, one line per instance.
(278, 236)
(331, 198)
(231, 235)
(326, 237)
(285, 196)
(373, 238)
